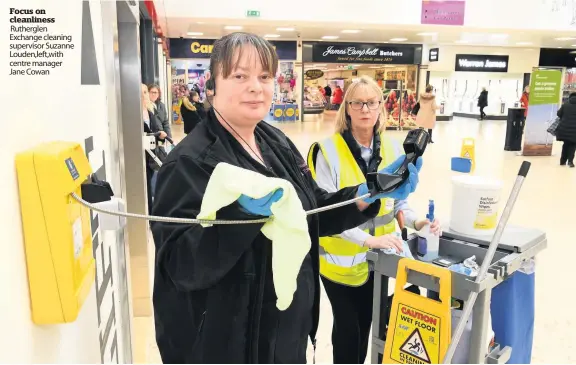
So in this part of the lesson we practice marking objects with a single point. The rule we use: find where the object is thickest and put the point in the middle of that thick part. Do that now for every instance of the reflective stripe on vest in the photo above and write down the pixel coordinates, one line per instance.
(343, 261)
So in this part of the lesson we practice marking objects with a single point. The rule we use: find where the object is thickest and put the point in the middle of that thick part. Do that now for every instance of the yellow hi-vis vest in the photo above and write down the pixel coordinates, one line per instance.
(342, 261)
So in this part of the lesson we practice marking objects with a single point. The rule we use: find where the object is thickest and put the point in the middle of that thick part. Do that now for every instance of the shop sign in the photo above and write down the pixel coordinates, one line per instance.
(314, 74)
(443, 12)
(202, 48)
(481, 63)
(554, 57)
(434, 55)
(364, 53)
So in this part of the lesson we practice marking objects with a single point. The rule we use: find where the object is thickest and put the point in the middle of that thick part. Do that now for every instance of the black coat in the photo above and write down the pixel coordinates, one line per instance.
(566, 130)
(214, 299)
(192, 118)
(162, 114)
(483, 99)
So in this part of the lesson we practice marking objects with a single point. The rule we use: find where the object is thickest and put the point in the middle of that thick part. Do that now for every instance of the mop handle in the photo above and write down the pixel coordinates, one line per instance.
(487, 260)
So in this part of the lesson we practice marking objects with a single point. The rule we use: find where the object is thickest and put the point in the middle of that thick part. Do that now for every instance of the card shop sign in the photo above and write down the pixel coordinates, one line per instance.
(481, 63)
(314, 74)
(362, 53)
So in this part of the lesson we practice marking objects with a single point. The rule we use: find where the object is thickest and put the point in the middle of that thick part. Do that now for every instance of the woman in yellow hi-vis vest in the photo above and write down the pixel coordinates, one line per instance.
(355, 149)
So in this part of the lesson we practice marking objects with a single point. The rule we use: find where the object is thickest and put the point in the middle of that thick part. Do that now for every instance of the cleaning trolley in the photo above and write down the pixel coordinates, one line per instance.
(417, 329)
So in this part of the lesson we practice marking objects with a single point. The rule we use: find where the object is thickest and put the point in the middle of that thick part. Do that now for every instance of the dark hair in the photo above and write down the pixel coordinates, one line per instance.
(429, 88)
(223, 58)
(155, 86)
(193, 93)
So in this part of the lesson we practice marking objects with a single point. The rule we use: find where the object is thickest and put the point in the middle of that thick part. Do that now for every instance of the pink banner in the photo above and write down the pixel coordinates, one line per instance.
(450, 12)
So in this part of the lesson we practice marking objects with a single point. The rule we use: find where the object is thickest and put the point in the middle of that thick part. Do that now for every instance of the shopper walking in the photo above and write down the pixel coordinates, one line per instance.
(337, 97)
(328, 96)
(214, 297)
(525, 100)
(192, 111)
(483, 102)
(358, 147)
(160, 109)
(566, 130)
(426, 117)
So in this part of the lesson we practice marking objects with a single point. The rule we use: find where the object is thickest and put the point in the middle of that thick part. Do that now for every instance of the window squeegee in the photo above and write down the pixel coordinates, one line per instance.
(414, 146)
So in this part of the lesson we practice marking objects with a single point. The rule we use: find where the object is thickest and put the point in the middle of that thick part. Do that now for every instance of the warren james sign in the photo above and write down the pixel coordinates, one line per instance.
(481, 63)
(364, 53)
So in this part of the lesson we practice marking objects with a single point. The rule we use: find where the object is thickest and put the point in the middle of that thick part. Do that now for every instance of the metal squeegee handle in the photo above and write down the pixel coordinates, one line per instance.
(204, 221)
(466, 312)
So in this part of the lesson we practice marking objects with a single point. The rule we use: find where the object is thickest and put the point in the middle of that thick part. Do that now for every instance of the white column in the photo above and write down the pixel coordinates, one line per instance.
(300, 81)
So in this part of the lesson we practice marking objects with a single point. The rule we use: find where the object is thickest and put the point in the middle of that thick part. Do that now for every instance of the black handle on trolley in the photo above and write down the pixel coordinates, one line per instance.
(157, 135)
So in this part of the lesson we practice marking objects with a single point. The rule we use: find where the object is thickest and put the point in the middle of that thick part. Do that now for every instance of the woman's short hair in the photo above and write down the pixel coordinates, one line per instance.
(364, 82)
(429, 88)
(155, 86)
(223, 59)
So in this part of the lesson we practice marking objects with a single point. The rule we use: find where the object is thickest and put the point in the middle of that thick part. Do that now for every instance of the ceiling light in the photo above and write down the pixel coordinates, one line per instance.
(398, 39)
(271, 35)
(195, 33)
(424, 34)
(565, 39)
(462, 41)
(330, 37)
(500, 35)
(233, 27)
(200, 23)
(351, 31)
(285, 29)
(523, 43)
(574, 45)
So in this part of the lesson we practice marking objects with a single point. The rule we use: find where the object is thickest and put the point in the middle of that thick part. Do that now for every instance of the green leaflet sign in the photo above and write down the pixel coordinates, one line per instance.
(545, 87)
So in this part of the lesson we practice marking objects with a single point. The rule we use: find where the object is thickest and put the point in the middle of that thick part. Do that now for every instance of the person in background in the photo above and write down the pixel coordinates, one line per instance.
(151, 125)
(214, 298)
(358, 147)
(426, 117)
(328, 96)
(525, 100)
(337, 97)
(160, 111)
(192, 111)
(483, 102)
(208, 100)
(566, 130)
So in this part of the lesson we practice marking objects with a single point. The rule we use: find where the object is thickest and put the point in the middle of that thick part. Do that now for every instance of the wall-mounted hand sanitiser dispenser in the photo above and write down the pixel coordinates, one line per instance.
(57, 232)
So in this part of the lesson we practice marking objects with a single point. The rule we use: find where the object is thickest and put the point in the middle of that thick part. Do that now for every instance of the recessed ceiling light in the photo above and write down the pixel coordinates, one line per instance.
(330, 37)
(285, 29)
(565, 39)
(271, 35)
(427, 34)
(574, 45)
(233, 27)
(195, 33)
(398, 39)
(351, 31)
(558, 47)
(499, 35)
(462, 41)
(200, 22)
(523, 43)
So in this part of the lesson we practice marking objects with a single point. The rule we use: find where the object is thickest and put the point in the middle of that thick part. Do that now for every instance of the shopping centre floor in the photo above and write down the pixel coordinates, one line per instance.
(547, 201)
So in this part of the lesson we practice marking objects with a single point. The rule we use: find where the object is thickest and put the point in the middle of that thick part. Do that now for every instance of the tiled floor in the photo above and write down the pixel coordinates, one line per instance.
(547, 201)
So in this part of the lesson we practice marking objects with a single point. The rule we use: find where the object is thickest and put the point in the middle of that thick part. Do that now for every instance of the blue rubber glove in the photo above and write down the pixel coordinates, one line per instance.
(402, 192)
(262, 205)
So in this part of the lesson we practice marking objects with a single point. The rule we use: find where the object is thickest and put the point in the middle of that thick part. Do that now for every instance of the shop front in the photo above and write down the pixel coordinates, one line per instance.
(329, 68)
(190, 61)
(564, 59)
(459, 76)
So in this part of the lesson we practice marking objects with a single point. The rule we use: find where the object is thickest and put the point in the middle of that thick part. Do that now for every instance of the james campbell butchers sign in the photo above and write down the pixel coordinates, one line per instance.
(363, 53)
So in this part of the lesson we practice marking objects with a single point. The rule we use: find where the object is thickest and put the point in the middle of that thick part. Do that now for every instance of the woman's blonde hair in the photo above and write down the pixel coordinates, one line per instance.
(342, 118)
(148, 104)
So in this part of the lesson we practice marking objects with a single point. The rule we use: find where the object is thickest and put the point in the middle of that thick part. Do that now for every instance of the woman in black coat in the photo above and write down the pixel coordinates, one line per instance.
(566, 130)
(214, 297)
(160, 111)
(483, 102)
(192, 111)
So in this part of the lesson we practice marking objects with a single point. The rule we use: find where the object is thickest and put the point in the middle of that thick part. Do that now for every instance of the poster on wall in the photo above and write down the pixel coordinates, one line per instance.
(544, 102)
(443, 12)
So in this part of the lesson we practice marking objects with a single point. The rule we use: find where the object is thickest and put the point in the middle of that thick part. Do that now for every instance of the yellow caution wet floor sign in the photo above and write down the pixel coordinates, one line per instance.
(419, 328)
(468, 149)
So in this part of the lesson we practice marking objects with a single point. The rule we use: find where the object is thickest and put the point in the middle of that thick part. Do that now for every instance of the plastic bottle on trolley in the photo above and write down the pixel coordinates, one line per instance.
(428, 242)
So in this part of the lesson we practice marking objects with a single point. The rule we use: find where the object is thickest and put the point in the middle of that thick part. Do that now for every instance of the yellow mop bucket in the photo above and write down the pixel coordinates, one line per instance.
(419, 328)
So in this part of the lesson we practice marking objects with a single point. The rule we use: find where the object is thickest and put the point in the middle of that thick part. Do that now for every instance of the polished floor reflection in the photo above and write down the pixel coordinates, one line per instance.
(547, 201)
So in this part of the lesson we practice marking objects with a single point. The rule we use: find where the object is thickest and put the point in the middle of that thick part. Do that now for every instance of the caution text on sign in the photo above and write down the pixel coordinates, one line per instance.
(416, 338)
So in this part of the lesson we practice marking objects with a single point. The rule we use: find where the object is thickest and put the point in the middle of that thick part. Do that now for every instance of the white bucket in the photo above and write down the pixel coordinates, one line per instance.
(475, 205)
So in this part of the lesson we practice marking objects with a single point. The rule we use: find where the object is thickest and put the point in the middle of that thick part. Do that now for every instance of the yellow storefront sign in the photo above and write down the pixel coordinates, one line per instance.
(419, 328)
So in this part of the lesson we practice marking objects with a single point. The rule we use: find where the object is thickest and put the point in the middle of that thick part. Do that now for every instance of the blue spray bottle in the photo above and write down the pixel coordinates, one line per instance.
(428, 243)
